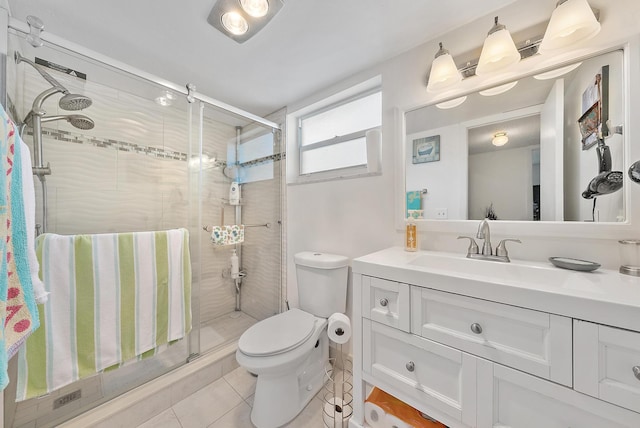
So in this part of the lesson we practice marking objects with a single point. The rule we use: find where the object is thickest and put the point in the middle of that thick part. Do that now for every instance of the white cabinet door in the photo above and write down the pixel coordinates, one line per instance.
(386, 302)
(607, 363)
(508, 398)
(535, 342)
(430, 375)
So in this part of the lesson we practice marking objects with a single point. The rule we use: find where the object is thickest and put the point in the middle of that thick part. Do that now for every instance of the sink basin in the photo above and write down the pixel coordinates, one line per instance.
(514, 272)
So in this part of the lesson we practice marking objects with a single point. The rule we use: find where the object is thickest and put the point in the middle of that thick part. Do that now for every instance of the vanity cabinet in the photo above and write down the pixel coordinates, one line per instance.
(535, 342)
(426, 371)
(474, 362)
(386, 302)
(607, 363)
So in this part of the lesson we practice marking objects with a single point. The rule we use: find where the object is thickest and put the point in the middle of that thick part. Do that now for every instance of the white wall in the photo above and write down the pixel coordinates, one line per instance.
(502, 178)
(442, 179)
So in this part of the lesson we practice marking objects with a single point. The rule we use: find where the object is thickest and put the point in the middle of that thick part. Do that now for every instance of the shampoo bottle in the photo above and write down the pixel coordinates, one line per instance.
(235, 265)
(411, 236)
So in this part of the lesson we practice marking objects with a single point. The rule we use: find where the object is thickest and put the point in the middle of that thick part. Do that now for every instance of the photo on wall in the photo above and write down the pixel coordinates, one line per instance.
(426, 149)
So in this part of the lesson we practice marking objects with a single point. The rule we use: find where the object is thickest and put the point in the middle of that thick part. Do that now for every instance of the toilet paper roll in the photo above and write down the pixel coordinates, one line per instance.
(392, 421)
(336, 414)
(374, 415)
(339, 329)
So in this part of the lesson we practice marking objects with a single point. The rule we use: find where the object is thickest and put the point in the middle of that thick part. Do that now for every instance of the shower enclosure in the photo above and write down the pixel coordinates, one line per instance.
(156, 159)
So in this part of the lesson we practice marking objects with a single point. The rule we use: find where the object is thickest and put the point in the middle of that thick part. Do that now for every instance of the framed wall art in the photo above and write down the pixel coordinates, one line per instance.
(426, 149)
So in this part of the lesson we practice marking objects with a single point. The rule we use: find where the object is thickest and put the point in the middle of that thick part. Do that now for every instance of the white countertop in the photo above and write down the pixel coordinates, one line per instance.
(602, 296)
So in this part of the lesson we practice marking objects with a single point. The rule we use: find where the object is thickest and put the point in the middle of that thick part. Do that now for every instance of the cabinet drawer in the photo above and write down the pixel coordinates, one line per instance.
(535, 342)
(386, 302)
(607, 363)
(508, 398)
(428, 373)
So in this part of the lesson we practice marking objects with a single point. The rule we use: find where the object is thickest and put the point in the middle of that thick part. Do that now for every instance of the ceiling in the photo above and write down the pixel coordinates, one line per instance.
(308, 46)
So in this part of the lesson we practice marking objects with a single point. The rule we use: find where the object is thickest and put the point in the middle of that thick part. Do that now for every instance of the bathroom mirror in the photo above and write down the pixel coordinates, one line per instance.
(528, 153)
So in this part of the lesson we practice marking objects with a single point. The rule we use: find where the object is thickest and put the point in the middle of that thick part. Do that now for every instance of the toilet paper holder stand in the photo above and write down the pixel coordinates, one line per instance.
(337, 394)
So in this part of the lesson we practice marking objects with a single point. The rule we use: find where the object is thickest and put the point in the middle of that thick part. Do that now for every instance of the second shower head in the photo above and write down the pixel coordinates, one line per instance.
(79, 121)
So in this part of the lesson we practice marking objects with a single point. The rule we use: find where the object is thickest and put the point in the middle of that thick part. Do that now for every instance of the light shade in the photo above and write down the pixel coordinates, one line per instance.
(500, 139)
(499, 52)
(451, 103)
(557, 72)
(242, 19)
(572, 21)
(444, 72)
(498, 89)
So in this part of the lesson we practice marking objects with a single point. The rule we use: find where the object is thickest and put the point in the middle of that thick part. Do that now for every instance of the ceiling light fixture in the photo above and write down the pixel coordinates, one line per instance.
(242, 19)
(499, 52)
(444, 72)
(572, 21)
(451, 103)
(499, 139)
(498, 89)
(255, 8)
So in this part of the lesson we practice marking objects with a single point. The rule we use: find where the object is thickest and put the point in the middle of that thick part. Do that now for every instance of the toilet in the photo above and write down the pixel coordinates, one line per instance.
(289, 351)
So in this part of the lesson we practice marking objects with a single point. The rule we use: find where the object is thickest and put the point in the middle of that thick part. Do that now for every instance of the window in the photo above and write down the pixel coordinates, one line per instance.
(331, 135)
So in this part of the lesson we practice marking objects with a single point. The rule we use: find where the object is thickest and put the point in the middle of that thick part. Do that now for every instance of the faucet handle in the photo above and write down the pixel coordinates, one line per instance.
(501, 249)
(473, 247)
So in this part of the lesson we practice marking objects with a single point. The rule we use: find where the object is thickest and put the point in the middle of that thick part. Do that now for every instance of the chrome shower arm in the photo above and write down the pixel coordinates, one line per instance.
(39, 100)
(53, 82)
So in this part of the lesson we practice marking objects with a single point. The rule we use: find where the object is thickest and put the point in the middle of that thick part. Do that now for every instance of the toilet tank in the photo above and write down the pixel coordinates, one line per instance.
(322, 282)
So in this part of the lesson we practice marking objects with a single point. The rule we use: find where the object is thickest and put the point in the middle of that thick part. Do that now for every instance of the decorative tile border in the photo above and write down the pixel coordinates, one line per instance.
(107, 143)
(271, 158)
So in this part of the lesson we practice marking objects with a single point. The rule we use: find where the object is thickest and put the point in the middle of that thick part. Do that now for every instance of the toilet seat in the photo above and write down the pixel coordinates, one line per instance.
(277, 334)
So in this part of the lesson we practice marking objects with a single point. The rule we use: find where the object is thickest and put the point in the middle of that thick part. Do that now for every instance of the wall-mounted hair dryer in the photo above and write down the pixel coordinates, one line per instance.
(606, 181)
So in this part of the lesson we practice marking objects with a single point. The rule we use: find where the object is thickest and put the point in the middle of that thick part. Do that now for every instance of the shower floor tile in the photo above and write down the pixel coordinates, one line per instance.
(223, 330)
(226, 403)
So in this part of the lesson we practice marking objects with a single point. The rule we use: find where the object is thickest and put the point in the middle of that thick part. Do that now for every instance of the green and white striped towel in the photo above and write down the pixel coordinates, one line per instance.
(113, 298)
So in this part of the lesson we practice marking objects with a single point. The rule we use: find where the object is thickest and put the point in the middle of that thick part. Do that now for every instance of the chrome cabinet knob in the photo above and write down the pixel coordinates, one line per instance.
(410, 366)
(476, 328)
(636, 372)
(384, 302)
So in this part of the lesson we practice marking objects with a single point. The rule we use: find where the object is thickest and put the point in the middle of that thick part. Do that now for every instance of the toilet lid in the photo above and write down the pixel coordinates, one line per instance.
(277, 334)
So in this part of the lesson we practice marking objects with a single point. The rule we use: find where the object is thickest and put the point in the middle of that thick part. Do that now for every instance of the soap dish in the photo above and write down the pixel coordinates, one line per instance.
(574, 264)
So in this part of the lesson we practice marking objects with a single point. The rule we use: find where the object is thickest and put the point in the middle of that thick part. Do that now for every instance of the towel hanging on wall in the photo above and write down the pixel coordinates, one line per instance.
(114, 297)
(18, 311)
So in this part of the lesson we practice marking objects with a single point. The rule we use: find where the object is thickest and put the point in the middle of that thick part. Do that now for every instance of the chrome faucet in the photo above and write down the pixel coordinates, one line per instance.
(473, 252)
(485, 233)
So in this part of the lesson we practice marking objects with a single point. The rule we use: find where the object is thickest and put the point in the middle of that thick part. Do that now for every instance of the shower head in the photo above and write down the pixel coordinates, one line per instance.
(79, 121)
(74, 102)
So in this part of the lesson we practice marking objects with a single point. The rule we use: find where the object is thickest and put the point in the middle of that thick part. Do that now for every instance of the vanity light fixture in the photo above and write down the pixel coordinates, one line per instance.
(557, 72)
(572, 21)
(444, 72)
(499, 139)
(499, 52)
(242, 19)
(498, 89)
(451, 103)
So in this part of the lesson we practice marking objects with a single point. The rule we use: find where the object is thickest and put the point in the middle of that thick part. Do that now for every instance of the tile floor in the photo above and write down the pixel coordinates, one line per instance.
(226, 403)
